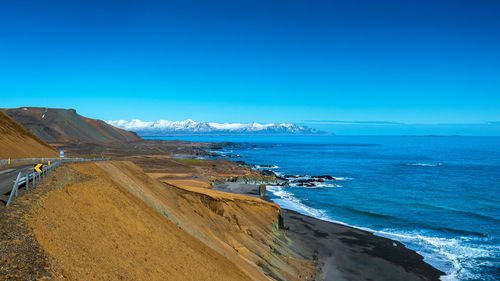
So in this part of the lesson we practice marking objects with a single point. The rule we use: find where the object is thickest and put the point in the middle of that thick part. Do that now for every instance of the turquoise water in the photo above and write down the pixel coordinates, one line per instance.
(438, 195)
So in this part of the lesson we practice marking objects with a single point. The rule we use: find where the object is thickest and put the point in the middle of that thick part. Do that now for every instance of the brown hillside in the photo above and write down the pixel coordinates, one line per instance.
(242, 228)
(17, 142)
(65, 125)
(96, 229)
(137, 228)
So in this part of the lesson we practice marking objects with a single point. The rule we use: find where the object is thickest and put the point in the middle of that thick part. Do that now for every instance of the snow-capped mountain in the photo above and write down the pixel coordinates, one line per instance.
(166, 127)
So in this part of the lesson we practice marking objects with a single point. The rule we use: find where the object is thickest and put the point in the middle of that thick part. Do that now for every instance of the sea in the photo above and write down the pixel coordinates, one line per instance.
(440, 196)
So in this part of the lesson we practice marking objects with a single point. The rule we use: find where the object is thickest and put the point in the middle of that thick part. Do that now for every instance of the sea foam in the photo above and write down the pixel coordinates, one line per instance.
(425, 164)
(452, 256)
(266, 167)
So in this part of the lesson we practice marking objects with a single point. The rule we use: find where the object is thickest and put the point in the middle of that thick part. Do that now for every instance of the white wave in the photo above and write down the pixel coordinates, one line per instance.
(279, 174)
(327, 185)
(220, 151)
(342, 178)
(425, 164)
(266, 167)
(307, 177)
(299, 177)
(286, 200)
(454, 256)
(316, 185)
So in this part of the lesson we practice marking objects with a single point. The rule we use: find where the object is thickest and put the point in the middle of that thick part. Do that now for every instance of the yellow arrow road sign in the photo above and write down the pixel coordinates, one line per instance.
(38, 167)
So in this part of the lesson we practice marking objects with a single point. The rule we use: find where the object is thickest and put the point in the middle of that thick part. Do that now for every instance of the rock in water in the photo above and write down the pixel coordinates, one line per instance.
(262, 190)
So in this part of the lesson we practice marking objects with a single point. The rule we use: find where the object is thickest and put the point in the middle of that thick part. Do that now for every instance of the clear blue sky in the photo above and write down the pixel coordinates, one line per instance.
(419, 62)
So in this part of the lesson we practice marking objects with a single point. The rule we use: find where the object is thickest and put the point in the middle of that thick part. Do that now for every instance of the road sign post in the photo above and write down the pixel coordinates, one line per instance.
(38, 168)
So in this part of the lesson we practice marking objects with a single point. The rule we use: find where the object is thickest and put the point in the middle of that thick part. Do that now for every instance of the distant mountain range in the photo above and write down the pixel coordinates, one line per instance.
(190, 127)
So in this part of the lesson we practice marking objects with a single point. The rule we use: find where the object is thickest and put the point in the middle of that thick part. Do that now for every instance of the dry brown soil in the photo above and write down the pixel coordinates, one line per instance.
(17, 142)
(98, 230)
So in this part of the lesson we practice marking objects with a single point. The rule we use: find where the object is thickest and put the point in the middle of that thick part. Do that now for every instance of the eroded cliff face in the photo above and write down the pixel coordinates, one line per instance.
(244, 229)
(201, 172)
(94, 229)
(118, 222)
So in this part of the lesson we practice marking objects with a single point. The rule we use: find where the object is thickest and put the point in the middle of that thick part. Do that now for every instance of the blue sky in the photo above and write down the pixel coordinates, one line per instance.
(410, 62)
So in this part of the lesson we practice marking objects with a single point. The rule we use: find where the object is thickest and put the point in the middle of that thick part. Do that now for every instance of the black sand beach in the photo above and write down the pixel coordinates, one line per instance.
(347, 253)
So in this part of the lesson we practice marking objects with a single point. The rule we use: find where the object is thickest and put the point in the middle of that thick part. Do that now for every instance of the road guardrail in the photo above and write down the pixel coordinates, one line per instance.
(11, 161)
(33, 178)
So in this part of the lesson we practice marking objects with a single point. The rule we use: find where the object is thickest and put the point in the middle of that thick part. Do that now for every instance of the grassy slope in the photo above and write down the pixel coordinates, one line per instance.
(17, 142)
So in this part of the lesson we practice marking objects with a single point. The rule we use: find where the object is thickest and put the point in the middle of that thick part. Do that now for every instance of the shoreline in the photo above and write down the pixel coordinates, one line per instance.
(343, 252)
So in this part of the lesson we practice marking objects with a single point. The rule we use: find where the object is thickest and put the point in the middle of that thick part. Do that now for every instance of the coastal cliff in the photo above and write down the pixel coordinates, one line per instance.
(112, 220)
(157, 213)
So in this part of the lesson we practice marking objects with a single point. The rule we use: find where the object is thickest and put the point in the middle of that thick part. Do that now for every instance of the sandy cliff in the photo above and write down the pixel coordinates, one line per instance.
(245, 229)
(117, 222)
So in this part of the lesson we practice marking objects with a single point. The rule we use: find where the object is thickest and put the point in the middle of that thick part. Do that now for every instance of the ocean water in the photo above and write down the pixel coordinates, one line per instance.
(439, 196)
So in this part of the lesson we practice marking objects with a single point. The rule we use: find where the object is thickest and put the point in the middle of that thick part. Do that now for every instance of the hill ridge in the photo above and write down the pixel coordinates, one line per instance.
(66, 125)
(17, 142)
